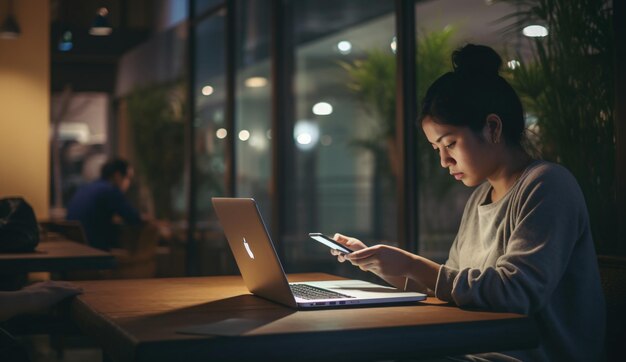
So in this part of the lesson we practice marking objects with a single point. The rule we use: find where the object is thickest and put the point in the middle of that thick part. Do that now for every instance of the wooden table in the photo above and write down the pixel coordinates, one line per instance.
(59, 255)
(141, 320)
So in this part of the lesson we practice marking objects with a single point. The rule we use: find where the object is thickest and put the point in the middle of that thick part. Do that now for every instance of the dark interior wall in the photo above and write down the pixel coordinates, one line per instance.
(90, 65)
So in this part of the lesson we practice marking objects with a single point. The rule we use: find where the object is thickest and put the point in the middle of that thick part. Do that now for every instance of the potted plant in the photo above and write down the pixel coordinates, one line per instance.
(568, 85)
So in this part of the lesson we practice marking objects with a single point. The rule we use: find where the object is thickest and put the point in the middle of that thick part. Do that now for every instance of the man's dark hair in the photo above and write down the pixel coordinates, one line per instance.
(112, 166)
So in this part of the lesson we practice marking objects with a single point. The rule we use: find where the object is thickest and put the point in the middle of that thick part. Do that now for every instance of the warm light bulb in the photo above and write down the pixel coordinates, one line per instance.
(256, 82)
(221, 133)
(394, 45)
(244, 135)
(207, 90)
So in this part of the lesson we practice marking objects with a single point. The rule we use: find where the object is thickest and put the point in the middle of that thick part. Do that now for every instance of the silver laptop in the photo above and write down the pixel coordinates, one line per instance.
(263, 273)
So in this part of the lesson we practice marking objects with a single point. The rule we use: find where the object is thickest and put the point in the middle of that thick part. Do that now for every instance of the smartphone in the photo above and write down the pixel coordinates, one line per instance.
(328, 241)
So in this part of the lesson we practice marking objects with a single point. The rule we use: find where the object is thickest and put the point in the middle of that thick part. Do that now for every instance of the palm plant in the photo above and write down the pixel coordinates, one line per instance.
(568, 86)
(157, 117)
(373, 80)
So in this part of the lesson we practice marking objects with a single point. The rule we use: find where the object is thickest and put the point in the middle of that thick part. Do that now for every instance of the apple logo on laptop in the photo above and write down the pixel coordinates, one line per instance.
(247, 246)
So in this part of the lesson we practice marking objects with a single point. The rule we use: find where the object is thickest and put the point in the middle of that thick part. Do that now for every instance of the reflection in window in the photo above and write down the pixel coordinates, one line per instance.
(209, 119)
(78, 144)
(200, 6)
(253, 142)
(341, 178)
(151, 113)
(211, 137)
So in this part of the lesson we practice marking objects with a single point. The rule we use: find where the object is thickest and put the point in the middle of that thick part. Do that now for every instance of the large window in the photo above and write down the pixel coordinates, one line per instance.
(338, 167)
(211, 137)
(151, 115)
(209, 119)
(253, 100)
(341, 171)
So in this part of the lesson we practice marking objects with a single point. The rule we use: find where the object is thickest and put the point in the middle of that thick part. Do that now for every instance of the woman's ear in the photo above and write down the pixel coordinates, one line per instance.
(493, 128)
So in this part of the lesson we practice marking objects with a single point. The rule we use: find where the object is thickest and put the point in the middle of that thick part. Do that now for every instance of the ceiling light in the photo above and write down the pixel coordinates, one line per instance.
(244, 135)
(306, 134)
(256, 82)
(535, 31)
(101, 26)
(10, 29)
(221, 133)
(344, 47)
(394, 45)
(322, 109)
(207, 90)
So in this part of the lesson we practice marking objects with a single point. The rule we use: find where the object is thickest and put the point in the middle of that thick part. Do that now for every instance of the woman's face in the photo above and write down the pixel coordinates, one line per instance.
(468, 156)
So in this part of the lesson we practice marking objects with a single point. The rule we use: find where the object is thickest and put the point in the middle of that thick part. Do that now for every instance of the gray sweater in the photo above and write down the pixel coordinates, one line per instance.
(531, 252)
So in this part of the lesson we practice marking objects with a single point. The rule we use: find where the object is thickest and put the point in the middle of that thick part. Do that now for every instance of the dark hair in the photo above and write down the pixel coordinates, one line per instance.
(467, 95)
(112, 166)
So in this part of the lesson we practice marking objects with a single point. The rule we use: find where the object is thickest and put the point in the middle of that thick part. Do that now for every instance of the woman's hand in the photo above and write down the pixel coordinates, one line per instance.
(383, 260)
(348, 242)
(392, 264)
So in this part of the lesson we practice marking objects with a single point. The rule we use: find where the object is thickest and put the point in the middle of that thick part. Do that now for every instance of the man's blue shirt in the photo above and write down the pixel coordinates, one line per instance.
(94, 205)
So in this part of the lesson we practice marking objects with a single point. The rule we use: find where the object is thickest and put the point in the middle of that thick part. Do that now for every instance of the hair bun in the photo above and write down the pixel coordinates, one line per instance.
(476, 60)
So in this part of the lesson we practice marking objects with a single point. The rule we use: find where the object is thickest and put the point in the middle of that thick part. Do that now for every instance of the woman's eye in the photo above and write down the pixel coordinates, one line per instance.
(450, 145)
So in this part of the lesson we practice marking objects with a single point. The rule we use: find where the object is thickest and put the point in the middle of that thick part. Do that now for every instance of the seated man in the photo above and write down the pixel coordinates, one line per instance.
(96, 204)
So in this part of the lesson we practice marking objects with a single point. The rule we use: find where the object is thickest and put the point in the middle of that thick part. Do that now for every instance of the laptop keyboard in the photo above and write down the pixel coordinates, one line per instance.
(306, 291)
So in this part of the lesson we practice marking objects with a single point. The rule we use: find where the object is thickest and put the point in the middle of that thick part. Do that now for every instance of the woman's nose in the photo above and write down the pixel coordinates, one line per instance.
(445, 159)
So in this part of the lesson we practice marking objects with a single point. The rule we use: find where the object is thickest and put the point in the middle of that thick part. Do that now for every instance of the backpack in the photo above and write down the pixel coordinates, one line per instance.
(19, 231)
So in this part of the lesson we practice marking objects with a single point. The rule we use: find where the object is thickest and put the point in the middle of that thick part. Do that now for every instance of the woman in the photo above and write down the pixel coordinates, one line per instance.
(524, 244)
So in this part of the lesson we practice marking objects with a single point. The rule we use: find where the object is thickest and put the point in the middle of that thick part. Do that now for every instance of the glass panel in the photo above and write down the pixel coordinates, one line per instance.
(253, 104)
(202, 5)
(342, 179)
(151, 114)
(210, 140)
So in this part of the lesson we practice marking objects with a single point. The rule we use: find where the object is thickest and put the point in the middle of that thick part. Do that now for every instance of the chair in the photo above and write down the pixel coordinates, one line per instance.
(613, 276)
(50, 230)
(69, 229)
(136, 257)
